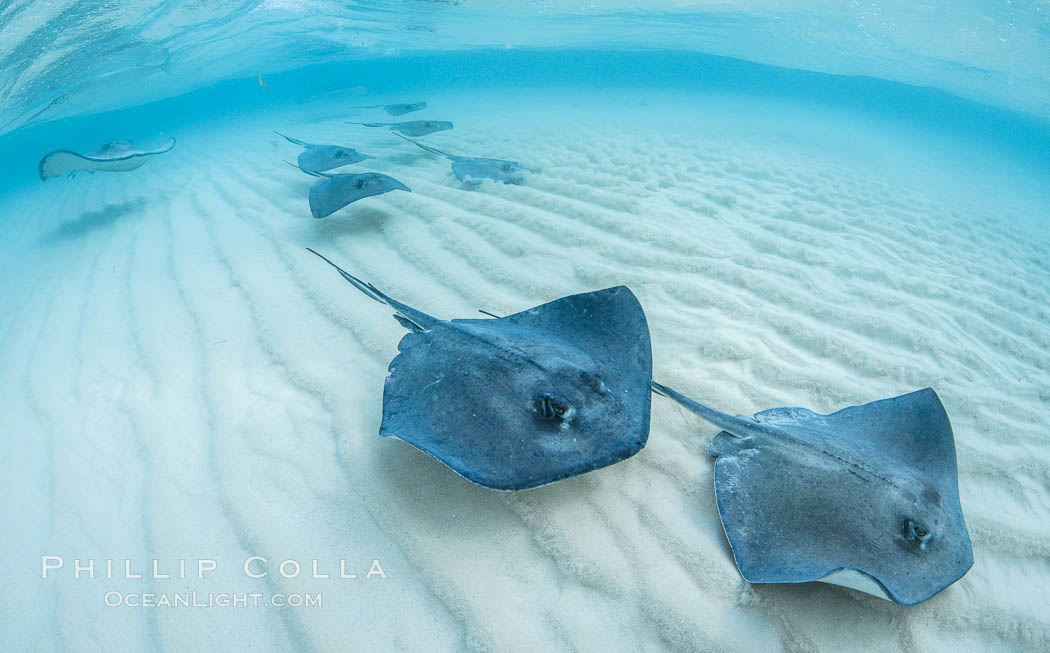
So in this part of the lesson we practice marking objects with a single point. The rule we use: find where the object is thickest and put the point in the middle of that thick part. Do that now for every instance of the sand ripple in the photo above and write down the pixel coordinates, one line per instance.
(182, 380)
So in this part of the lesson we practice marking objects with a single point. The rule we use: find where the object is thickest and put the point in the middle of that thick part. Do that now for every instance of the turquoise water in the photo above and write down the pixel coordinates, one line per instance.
(989, 127)
(819, 204)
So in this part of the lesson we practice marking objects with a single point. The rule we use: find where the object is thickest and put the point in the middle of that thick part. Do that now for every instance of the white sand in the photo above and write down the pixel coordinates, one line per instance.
(179, 378)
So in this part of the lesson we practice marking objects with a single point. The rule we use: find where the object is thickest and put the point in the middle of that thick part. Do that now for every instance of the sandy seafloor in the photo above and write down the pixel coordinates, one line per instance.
(179, 378)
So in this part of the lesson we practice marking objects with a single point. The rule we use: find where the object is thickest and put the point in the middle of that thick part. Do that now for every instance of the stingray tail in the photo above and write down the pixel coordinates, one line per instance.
(738, 426)
(409, 317)
(432, 150)
(370, 124)
(312, 173)
(296, 141)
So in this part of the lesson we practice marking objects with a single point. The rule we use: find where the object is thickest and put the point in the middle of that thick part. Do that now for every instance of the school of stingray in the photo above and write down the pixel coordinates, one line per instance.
(866, 497)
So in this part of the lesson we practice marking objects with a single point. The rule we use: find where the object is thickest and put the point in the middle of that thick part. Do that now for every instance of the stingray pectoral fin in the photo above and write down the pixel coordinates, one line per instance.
(60, 162)
(410, 318)
(791, 516)
(856, 580)
(460, 394)
(397, 185)
(167, 147)
(725, 443)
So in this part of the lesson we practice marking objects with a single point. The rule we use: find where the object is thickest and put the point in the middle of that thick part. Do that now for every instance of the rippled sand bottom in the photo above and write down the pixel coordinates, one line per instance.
(180, 379)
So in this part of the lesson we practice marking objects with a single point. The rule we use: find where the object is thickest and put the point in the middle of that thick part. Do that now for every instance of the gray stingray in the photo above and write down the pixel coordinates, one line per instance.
(319, 158)
(525, 400)
(411, 128)
(866, 497)
(396, 109)
(475, 170)
(117, 156)
(336, 191)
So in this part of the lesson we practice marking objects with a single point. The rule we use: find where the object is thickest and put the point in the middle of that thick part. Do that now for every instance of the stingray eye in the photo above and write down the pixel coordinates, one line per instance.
(553, 408)
(916, 531)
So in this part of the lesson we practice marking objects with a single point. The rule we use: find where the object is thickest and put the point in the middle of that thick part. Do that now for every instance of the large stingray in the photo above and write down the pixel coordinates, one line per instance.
(336, 191)
(320, 158)
(411, 128)
(866, 497)
(525, 400)
(475, 170)
(117, 156)
(396, 109)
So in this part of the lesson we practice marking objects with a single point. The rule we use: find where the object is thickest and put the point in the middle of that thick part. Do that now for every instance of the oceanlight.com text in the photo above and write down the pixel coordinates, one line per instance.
(115, 599)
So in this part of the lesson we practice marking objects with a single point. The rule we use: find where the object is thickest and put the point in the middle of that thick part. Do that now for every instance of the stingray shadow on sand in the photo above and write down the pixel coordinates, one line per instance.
(91, 221)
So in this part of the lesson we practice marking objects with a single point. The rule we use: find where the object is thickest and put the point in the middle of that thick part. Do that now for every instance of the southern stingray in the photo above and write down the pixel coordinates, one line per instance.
(412, 127)
(475, 170)
(396, 109)
(319, 158)
(117, 156)
(525, 400)
(336, 191)
(866, 497)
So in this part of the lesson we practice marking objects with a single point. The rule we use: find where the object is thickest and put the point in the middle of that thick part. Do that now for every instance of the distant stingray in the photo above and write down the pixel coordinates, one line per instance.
(117, 156)
(318, 158)
(396, 109)
(524, 400)
(475, 170)
(411, 128)
(336, 191)
(867, 497)
(329, 94)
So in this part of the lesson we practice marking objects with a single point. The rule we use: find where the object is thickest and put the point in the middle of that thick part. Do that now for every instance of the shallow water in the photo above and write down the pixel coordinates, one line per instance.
(181, 380)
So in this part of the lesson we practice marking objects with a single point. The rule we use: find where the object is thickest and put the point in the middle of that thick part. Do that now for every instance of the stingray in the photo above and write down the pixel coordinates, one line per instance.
(117, 156)
(396, 109)
(411, 128)
(336, 191)
(475, 170)
(319, 158)
(525, 400)
(866, 497)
